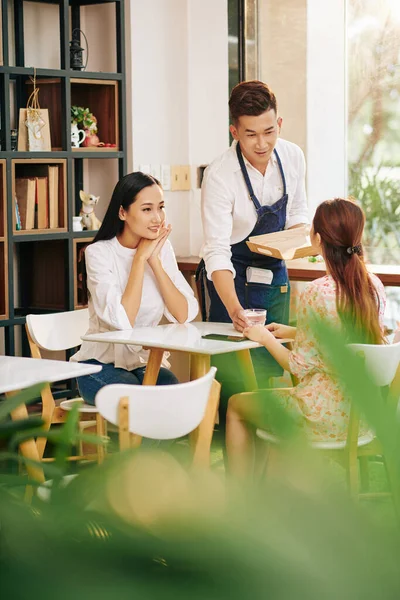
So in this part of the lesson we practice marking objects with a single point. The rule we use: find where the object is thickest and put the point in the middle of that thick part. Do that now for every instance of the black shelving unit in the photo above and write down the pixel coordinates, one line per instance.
(32, 248)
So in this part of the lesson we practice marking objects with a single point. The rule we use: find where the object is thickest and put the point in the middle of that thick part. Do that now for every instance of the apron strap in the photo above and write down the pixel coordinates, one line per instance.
(246, 177)
(281, 171)
(200, 278)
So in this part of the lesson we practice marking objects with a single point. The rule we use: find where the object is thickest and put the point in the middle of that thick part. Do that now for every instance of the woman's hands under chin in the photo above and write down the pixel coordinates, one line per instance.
(162, 238)
(149, 250)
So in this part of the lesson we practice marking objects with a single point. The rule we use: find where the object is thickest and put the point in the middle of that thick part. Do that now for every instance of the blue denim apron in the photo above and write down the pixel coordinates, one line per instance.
(274, 297)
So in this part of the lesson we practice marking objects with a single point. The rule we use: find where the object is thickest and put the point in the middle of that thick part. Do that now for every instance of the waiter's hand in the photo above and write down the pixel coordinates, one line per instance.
(239, 319)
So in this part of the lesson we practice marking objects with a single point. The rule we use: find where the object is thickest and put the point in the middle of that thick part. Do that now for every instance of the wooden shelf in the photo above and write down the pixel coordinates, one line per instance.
(50, 94)
(3, 244)
(42, 275)
(101, 97)
(94, 149)
(79, 245)
(38, 167)
(42, 280)
(47, 231)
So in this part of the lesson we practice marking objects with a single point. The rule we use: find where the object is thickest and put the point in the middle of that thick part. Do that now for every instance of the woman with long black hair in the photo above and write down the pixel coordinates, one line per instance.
(132, 280)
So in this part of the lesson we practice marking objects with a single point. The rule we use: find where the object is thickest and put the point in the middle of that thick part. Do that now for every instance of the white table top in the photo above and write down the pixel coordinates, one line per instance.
(17, 373)
(181, 338)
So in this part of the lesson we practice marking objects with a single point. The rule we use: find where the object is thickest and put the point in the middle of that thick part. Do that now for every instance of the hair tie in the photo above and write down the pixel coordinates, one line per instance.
(354, 250)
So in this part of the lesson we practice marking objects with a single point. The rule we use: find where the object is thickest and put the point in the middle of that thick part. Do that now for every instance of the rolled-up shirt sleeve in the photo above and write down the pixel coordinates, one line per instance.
(171, 268)
(216, 212)
(298, 209)
(104, 288)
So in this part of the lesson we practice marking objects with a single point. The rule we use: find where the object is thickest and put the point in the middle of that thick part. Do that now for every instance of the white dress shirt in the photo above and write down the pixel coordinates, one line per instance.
(108, 265)
(229, 215)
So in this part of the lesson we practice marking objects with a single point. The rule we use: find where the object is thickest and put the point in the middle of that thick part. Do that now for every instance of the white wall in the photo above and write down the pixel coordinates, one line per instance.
(179, 89)
(326, 101)
(208, 95)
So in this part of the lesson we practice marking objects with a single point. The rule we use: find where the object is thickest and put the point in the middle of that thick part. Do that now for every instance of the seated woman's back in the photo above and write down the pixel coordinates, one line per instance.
(349, 298)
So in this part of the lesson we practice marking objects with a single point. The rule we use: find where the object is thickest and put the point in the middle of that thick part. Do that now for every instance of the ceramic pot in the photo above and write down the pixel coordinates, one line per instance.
(77, 135)
(90, 139)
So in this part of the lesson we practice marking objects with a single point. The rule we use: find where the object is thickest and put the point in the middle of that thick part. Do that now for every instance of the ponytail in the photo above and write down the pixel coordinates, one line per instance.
(340, 224)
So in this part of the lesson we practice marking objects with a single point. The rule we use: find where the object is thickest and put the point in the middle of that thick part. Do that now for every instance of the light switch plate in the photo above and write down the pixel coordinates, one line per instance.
(175, 178)
(185, 178)
(155, 171)
(166, 177)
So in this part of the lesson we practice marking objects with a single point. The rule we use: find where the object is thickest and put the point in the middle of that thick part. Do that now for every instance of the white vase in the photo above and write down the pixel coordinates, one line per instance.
(76, 139)
(77, 224)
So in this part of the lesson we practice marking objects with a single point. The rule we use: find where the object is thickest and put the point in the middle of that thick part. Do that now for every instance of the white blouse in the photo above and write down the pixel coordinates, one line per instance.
(108, 265)
(228, 213)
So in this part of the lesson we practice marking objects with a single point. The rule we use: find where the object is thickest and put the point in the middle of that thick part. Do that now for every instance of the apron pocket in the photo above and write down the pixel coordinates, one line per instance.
(274, 298)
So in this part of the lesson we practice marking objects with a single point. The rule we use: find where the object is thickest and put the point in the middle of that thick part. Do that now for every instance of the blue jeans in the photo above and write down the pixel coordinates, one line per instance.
(89, 385)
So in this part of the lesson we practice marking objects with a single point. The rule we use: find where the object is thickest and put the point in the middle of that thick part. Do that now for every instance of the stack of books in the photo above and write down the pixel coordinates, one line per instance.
(37, 200)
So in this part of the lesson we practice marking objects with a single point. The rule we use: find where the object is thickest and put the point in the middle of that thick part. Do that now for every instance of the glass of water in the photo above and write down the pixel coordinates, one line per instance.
(256, 316)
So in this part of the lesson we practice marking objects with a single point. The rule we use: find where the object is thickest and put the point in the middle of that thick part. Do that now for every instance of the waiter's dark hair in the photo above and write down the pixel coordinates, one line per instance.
(251, 98)
(124, 194)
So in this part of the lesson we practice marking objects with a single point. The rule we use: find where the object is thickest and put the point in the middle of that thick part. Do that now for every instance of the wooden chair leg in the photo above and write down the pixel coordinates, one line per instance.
(364, 473)
(100, 431)
(201, 437)
(28, 448)
(123, 424)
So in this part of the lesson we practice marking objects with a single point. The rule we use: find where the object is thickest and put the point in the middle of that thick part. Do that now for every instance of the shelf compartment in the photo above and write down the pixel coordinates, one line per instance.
(3, 281)
(50, 97)
(42, 276)
(39, 168)
(101, 97)
(3, 196)
(79, 246)
(3, 244)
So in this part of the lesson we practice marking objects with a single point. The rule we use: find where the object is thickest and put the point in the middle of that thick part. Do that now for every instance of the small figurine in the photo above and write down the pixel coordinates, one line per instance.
(88, 218)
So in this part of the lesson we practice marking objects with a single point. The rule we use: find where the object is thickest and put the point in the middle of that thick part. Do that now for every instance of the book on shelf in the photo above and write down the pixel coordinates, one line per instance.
(53, 196)
(25, 193)
(42, 202)
(18, 226)
(286, 245)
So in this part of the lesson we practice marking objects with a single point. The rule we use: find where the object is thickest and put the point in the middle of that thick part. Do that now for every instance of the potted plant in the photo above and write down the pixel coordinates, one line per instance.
(83, 118)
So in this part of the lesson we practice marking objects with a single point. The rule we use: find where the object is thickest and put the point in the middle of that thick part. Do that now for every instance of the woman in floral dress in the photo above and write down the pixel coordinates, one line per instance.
(348, 293)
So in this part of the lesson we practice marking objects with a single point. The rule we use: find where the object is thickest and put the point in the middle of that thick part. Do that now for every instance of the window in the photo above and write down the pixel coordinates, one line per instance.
(242, 40)
(373, 55)
(373, 34)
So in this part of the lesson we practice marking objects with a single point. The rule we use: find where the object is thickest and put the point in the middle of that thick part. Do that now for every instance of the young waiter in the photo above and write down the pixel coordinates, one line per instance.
(255, 187)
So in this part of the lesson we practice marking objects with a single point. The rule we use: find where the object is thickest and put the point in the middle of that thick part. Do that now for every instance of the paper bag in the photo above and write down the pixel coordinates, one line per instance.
(34, 130)
(286, 245)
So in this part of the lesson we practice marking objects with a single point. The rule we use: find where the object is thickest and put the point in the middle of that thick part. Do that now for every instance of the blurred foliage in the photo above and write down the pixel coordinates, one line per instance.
(141, 525)
(379, 194)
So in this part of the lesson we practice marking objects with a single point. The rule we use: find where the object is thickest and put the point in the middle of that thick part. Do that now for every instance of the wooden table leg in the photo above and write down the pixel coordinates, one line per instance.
(28, 448)
(200, 364)
(247, 369)
(153, 366)
(201, 438)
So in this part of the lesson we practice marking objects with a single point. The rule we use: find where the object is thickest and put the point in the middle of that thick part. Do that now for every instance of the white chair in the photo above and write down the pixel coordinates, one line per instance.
(382, 362)
(55, 332)
(163, 412)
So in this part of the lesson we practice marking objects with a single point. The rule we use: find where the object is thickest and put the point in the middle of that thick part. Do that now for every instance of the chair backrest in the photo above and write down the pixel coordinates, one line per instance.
(58, 331)
(381, 361)
(158, 412)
